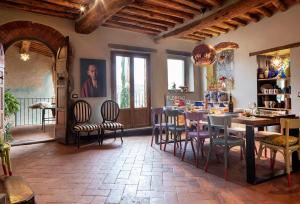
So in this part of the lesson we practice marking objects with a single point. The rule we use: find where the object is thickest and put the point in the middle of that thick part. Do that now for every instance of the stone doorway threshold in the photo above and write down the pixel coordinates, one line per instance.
(32, 134)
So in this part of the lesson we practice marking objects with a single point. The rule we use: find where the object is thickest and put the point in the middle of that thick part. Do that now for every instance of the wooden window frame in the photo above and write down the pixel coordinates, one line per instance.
(113, 72)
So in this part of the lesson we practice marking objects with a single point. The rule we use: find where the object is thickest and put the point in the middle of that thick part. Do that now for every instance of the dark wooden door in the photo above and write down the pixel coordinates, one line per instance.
(62, 95)
(131, 87)
(2, 90)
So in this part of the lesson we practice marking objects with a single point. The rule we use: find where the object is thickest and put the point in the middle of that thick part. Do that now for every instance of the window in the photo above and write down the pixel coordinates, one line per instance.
(176, 73)
(123, 81)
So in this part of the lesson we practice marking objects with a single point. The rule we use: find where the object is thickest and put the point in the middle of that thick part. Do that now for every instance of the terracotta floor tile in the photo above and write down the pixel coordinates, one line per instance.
(137, 173)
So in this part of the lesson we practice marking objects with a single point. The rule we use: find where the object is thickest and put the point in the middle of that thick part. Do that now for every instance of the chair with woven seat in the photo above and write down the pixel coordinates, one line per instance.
(284, 143)
(194, 131)
(216, 123)
(260, 135)
(174, 127)
(110, 112)
(82, 115)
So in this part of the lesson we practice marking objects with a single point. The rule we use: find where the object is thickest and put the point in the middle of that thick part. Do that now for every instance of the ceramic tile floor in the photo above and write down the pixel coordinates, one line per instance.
(137, 173)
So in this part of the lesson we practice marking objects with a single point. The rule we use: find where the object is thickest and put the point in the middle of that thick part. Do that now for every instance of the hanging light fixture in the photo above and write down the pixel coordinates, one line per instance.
(204, 54)
(24, 56)
(277, 61)
(24, 50)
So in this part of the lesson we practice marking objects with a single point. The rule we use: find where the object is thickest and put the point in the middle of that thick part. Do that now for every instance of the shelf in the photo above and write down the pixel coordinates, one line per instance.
(273, 108)
(273, 79)
(261, 94)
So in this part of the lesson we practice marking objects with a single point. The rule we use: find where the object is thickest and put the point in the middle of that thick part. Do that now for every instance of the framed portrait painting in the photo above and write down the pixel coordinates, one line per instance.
(92, 78)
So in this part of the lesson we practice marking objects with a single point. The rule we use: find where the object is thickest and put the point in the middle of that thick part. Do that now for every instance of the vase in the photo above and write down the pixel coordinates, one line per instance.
(266, 73)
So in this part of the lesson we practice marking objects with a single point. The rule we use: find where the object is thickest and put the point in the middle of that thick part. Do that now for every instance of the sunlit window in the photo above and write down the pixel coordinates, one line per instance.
(175, 73)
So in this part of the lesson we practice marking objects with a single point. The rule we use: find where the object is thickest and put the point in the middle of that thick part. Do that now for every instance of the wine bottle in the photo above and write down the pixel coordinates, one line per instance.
(230, 105)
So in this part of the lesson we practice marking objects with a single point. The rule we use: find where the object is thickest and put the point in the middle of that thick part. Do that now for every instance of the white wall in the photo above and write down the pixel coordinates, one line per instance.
(94, 45)
(281, 29)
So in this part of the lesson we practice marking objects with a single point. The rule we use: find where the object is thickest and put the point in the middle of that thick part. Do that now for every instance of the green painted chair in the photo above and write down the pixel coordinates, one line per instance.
(216, 125)
(174, 127)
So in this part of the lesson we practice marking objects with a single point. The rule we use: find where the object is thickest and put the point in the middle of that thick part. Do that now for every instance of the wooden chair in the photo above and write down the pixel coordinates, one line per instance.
(110, 112)
(196, 133)
(5, 159)
(215, 124)
(174, 127)
(284, 143)
(82, 114)
(157, 124)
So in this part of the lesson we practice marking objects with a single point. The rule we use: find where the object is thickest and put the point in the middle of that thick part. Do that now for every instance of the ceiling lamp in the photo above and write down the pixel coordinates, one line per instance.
(226, 46)
(24, 56)
(82, 9)
(277, 61)
(204, 54)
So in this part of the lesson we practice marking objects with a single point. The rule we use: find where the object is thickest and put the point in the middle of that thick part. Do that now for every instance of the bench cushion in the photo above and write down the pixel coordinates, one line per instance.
(279, 140)
(111, 126)
(86, 127)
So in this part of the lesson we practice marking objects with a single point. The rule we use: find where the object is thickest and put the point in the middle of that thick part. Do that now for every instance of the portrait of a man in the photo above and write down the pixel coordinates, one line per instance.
(93, 78)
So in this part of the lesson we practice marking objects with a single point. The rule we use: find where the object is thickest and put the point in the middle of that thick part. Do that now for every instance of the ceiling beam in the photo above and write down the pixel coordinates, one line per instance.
(138, 23)
(250, 17)
(175, 5)
(219, 29)
(215, 2)
(193, 4)
(98, 14)
(145, 19)
(133, 28)
(152, 15)
(279, 5)
(228, 13)
(239, 21)
(162, 10)
(229, 25)
(38, 10)
(43, 5)
(64, 3)
(264, 11)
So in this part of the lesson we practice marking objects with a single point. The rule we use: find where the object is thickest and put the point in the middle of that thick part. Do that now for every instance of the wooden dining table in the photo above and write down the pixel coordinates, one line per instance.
(261, 122)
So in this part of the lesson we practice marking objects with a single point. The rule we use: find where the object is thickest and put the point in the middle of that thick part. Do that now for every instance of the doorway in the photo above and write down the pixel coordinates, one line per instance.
(131, 87)
(29, 78)
(59, 45)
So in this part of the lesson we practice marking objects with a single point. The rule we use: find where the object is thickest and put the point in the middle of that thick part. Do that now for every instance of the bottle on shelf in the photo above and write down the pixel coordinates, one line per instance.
(230, 104)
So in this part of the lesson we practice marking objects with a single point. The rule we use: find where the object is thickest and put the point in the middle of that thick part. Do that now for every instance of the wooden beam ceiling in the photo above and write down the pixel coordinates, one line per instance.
(152, 15)
(162, 10)
(26, 46)
(98, 14)
(43, 5)
(228, 18)
(37, 10)
(162, 18)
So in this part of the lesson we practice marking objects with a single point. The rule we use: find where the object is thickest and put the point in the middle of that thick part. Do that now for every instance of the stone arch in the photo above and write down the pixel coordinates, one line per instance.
(19, 30)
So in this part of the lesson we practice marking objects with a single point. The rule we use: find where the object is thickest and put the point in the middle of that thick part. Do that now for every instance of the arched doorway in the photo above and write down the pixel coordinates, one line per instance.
(19, 30)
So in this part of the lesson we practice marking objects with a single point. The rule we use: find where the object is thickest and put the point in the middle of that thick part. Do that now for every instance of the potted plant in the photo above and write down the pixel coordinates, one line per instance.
(12, 106)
